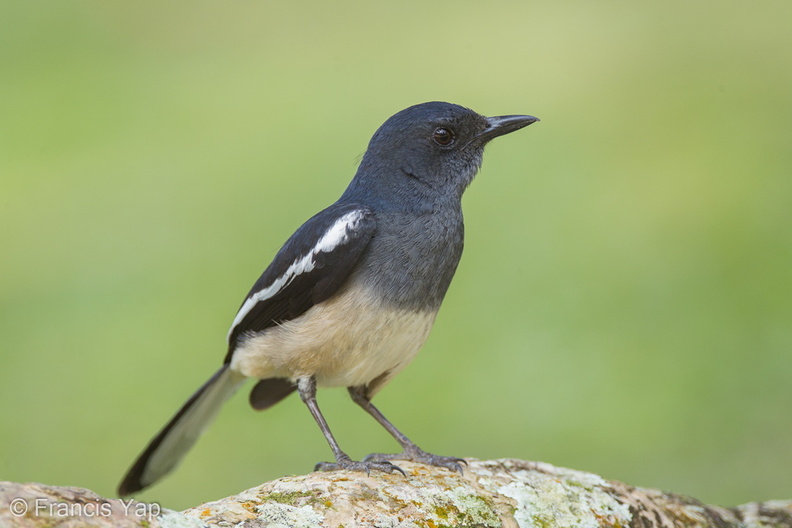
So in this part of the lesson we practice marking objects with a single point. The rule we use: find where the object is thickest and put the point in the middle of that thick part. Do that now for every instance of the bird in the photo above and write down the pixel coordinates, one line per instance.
(351, 296)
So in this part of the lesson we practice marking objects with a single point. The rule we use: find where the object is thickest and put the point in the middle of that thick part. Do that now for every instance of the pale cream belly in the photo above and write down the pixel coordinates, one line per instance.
(346, 341)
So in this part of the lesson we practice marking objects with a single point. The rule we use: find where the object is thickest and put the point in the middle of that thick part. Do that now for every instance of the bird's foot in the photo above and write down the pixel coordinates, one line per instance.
(416, 454)
(365, 465)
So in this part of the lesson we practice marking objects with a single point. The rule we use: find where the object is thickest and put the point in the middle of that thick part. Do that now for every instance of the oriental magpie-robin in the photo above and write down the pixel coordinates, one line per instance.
(350, 298)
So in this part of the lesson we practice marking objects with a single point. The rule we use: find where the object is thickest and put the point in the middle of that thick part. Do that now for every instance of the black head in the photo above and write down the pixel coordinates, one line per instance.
(430, 149)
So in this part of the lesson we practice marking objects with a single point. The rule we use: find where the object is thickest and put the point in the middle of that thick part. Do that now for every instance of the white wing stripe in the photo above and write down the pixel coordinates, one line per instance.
(334, 237)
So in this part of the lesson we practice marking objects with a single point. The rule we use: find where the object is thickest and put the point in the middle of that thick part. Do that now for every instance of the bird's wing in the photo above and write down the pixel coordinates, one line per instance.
(311, 267)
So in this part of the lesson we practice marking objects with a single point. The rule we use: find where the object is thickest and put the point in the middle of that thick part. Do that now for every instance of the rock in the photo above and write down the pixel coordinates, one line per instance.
(495, 493)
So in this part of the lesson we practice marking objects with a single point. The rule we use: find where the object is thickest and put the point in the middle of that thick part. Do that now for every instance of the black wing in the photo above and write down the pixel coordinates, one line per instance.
(311, 267)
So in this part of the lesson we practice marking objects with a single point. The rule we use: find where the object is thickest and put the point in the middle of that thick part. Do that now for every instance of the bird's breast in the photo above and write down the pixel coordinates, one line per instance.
(412, 258)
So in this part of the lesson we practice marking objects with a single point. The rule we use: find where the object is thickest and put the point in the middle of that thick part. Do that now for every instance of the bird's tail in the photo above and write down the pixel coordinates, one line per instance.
(167, 449)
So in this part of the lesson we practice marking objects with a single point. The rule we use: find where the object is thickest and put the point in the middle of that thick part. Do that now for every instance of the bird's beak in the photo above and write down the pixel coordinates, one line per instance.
(500, 125)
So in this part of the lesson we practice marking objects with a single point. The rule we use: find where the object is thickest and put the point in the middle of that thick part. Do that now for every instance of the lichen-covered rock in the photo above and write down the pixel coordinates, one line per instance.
(497, 493)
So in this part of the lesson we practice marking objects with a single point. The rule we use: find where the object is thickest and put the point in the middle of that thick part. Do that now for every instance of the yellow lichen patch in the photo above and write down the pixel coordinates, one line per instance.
(418, 470)
(441, 512)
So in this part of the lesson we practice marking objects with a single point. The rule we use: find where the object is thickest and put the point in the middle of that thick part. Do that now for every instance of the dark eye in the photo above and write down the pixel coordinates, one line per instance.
(443, 136)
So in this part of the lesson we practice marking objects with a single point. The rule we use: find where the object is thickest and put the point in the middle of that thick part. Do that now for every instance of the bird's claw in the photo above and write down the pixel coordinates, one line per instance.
(421, 456)
(354, 465)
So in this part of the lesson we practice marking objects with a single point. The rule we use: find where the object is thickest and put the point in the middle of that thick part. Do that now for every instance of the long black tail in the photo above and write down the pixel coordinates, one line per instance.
(168, 448)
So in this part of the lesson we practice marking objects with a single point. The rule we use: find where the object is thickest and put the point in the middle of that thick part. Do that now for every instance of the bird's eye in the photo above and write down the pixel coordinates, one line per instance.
(443, 136)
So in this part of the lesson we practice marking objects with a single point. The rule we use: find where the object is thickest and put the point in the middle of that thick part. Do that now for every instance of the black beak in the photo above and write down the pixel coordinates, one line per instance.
(500, 125)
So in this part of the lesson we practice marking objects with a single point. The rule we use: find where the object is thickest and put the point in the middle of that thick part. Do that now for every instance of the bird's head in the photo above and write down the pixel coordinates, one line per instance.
(432, 149)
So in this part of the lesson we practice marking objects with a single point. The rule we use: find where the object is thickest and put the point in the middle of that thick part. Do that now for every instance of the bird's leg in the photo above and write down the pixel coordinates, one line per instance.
(411, 451)
(307, 390)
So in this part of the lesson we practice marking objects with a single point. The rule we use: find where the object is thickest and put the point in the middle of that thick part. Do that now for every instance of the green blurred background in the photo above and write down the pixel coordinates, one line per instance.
(624, 305)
